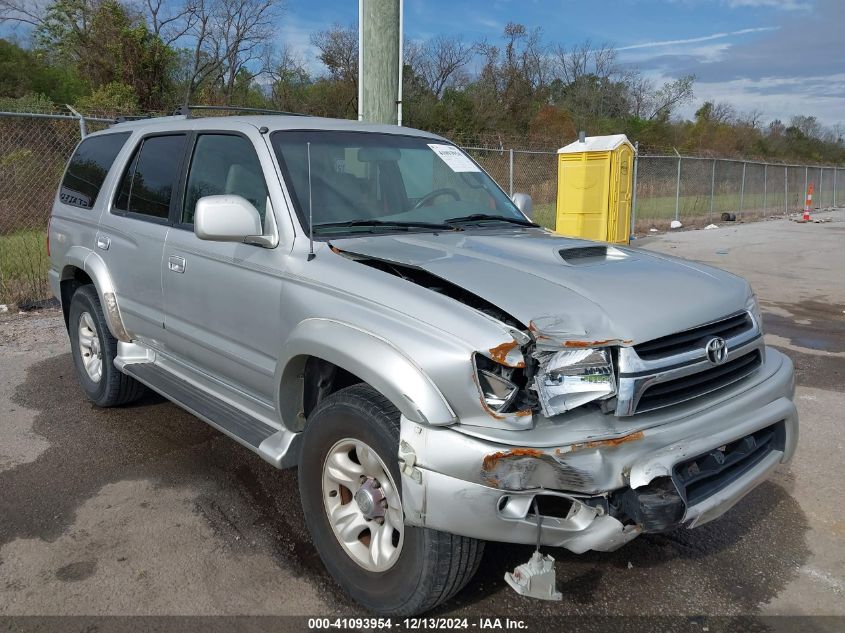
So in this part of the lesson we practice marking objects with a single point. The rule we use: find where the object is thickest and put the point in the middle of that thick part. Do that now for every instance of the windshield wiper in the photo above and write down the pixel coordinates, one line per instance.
(476, 217)
(391, 224)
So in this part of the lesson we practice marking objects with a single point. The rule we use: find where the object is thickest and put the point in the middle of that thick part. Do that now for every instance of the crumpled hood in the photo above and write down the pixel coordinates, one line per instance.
(633, 296)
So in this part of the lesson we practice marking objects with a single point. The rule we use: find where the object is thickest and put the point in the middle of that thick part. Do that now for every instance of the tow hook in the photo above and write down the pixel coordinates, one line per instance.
(536, 578)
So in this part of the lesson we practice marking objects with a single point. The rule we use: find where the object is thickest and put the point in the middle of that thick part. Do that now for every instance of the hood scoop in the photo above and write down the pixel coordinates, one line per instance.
(585, 255)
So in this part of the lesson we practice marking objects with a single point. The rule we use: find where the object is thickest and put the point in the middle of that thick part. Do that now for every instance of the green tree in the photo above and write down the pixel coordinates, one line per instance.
(113, 98)
(106, 45)
(25, 72)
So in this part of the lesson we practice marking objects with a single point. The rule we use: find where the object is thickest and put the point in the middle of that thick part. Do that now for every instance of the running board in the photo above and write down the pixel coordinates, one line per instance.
(280, 448)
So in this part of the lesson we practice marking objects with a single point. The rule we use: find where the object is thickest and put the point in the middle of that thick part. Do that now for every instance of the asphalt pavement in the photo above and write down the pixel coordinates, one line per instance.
(145, 510)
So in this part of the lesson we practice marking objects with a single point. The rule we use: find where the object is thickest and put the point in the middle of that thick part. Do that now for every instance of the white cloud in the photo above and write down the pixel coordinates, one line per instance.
(785, 5)
(778, 97)
(703, 38)
(489, 23)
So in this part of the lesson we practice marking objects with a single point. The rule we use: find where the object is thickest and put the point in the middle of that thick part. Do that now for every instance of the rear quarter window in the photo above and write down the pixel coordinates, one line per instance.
(88, 168)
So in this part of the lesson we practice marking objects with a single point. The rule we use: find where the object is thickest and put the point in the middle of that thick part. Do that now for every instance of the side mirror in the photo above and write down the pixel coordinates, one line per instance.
(523, 203)
(226, 218)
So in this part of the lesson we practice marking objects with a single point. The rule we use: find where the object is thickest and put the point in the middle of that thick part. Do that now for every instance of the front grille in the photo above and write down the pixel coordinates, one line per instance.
(694, 338)
(664, 394)
(703, 476)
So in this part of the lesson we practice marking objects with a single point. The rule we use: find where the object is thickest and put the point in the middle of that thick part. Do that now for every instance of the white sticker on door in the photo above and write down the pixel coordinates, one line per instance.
(452, 156)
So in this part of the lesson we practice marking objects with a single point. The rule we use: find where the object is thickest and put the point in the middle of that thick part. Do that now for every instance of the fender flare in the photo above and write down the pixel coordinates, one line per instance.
(368, 356)
(93, 265)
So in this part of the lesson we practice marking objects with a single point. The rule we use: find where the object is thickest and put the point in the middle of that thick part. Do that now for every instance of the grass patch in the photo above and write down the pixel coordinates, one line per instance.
(753, 205)
(23, 266)
(545, 213)
(658, 211)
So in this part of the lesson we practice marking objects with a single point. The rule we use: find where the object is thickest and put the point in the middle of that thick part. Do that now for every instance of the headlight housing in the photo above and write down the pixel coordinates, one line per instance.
(571, 378)
(498, 393)
(753, 306)
(502, 388)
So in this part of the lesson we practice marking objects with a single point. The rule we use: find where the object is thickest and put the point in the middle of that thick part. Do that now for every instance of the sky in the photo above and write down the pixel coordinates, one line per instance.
(780, 57)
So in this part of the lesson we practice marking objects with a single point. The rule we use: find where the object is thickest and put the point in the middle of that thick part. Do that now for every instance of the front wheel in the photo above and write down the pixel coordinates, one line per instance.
(94, 350)
(350, 487)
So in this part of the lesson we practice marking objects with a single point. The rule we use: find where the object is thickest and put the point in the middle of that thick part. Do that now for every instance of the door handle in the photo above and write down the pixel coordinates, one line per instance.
(176, 264)
(103, 242)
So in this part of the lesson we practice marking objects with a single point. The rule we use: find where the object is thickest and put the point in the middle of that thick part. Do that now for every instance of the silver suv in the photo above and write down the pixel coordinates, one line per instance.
(364, 303)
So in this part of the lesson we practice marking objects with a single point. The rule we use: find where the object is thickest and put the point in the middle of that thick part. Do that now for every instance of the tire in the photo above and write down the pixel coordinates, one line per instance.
(111, 387)
(431, 566)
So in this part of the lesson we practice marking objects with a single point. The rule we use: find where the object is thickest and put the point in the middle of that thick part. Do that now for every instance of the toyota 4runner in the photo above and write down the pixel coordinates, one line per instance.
(364, 303)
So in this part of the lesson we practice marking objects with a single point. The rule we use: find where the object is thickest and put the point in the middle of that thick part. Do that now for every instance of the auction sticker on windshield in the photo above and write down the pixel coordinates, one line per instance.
(455, 158)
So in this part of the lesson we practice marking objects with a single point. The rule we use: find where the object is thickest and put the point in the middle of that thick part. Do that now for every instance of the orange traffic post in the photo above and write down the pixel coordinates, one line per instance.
(808, 203)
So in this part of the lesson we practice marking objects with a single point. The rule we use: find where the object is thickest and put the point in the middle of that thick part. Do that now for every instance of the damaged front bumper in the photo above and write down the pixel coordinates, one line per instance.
(600, 493)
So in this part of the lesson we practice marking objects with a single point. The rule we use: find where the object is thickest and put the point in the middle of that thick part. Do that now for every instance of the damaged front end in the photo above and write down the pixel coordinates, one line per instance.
(538, 372)
(593, 487)
(553, 429)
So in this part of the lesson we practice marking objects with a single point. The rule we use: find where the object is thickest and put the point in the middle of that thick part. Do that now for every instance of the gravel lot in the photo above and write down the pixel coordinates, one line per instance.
(146, 510)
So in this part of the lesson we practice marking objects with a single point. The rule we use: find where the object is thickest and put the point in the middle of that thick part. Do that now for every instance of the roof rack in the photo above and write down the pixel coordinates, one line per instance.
(123, 118)
(187, 110)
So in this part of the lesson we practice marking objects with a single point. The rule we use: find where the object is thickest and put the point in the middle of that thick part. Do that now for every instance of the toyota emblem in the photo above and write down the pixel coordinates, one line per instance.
(716, 350)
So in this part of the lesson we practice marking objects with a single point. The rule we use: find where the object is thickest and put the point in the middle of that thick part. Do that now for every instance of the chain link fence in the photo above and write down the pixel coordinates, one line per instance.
(527, 171)
(34, 148)
(698, 191)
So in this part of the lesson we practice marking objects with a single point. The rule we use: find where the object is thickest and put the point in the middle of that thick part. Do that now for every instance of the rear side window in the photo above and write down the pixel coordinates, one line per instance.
(88, 168)
(148, 182)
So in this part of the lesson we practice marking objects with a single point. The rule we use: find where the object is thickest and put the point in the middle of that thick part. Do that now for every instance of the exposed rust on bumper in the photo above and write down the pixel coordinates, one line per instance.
(490, 461)
(609, 443)
(524, 468)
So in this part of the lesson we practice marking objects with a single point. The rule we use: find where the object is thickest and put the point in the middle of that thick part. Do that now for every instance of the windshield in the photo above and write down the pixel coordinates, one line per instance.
(367, 182)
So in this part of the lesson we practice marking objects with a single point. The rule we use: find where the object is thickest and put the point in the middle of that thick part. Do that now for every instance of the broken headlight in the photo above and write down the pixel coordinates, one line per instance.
(502, 388)
(571, 378)
(498, 392)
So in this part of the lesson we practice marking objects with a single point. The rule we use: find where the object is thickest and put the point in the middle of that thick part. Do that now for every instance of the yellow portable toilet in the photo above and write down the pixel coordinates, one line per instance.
(594, 187)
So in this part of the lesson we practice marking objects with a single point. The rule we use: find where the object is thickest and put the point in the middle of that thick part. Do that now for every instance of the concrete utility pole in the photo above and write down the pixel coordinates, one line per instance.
(380, 61)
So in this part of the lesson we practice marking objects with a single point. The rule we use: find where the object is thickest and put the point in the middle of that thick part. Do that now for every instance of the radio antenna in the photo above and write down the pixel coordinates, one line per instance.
(311, 254)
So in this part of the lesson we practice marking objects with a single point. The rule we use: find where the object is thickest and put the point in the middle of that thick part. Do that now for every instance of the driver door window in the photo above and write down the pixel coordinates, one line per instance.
(221, 164)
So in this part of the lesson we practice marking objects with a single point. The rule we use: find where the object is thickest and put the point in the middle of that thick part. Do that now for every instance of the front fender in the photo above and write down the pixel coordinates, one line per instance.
(368, 356)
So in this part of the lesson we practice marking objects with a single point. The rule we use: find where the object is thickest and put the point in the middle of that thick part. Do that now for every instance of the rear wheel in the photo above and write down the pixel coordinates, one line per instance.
(352, 500)
(94, 350)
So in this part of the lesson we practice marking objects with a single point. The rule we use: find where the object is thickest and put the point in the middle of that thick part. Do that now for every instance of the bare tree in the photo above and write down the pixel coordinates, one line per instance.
(439, 61)
(29, 12)
(640, 90)
(534, 59)
(170, 20)
(227, 35)
(669, 96)
(753, 119)
(288, 75)
(245, 26)
(338, 48)
(205, 52)
(809, 126)
(592, 84)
